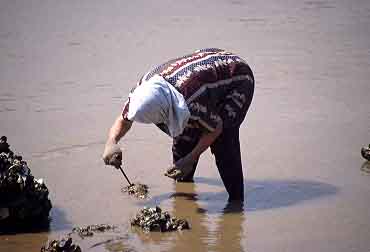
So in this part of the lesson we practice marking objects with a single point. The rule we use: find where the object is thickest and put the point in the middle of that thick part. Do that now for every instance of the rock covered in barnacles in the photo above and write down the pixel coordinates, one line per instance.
(138, 190)
(365, 152)
(63, 245)
(4, 146)
(154, 219)
(23, 199)
(89, 230)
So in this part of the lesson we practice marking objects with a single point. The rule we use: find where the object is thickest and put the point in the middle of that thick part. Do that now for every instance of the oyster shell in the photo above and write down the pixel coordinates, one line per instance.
(174, 173)
(88, 231)
(63, 245)
(154, 219)
(138, 190)
(66, 244)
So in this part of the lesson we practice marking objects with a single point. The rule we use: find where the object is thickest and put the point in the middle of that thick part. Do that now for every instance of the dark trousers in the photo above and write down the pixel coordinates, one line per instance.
(226, 150)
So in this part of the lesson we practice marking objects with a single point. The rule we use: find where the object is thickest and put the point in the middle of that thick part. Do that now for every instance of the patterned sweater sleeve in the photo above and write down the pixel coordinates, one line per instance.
(204, 113)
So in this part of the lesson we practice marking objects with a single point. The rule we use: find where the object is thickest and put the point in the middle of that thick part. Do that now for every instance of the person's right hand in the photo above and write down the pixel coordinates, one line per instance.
(112, 155)
(181, 168)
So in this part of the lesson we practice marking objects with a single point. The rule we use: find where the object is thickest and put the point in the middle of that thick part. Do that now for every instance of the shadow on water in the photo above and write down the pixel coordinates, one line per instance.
(56, 221)
(59, 220)
(269, 194)
(117, 244)
(259, 195)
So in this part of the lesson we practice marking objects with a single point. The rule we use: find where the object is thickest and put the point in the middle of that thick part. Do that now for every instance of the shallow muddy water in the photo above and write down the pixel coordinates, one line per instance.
(66, 66)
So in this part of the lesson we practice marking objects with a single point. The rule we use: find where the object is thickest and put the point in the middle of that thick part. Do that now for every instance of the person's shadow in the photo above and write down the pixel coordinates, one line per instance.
(259, 195)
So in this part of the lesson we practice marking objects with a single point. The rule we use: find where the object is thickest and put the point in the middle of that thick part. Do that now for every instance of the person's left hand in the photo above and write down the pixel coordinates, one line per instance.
(181, 168)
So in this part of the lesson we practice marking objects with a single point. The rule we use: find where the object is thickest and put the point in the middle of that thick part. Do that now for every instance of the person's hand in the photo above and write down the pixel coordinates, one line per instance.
(112, 155)
(181, 168)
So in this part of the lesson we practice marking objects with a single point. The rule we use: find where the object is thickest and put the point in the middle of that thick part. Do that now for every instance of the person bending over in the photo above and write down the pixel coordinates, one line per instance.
(199, 100)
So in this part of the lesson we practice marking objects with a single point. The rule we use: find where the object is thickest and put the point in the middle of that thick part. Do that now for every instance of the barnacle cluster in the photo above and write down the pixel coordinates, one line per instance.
(174, 173)
(154, 219)
(23, 198)
(138, 190)
(89, 230)
(63, 245)
(365, 152)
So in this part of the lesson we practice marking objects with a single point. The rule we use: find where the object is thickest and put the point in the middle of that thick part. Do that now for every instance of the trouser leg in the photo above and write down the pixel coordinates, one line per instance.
(226, 150)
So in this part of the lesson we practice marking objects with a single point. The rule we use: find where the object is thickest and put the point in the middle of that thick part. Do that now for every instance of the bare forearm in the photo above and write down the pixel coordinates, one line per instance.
(119, 128)
(183, 167)
(205, 141)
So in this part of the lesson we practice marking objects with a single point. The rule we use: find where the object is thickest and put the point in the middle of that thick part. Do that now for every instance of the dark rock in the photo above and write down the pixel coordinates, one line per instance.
(23, 199)
(4, 146)
(365, 152)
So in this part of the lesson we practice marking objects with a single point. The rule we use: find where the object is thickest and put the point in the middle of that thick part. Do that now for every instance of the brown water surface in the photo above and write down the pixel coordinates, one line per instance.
(66, 66)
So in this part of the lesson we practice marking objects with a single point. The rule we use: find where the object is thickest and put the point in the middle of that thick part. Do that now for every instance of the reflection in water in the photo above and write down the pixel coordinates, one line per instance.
(23, 242)
(57, 221)
(219, 227)
(215, 227)
(366, 167)
(185, 205)
(117, 244)
(205, 235)
(28, 226)
(32, 237)
(229, 228)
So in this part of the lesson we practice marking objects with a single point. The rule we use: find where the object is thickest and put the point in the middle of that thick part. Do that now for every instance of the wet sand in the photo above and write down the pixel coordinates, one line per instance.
(66, 68)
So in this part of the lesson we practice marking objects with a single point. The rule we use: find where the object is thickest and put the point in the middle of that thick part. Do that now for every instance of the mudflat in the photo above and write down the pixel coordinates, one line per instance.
(66, 68)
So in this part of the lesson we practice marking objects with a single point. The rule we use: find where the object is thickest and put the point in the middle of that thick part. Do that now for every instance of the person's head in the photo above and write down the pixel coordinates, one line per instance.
(156, 101)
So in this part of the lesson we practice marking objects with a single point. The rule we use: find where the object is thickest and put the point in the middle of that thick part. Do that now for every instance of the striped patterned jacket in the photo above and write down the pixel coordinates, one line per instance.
(212, 82)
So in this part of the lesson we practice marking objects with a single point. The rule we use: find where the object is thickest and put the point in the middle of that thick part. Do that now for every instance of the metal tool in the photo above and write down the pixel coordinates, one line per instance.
(125, 176)
(118, 165)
